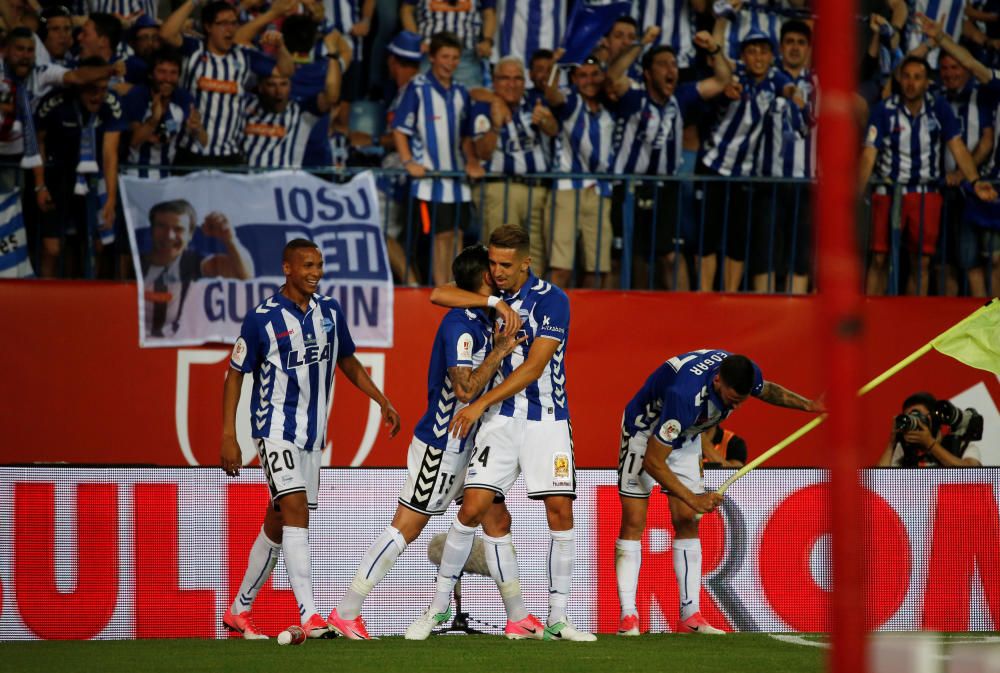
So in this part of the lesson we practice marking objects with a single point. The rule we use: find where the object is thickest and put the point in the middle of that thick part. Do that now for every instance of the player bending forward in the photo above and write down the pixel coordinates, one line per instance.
(660, 444)
(462, 362)
(290, 343)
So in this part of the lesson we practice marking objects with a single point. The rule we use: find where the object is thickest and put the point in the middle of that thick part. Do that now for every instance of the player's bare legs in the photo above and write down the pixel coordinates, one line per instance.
(687, 567)
(628, 561)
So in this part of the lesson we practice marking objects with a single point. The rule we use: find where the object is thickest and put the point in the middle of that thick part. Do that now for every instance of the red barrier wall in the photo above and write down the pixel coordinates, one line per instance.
(79, 389)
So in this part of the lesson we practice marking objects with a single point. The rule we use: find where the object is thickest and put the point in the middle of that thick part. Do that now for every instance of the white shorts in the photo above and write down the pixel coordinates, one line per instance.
(434, 478)
(635, 482)
(289, 469)
(506, 447)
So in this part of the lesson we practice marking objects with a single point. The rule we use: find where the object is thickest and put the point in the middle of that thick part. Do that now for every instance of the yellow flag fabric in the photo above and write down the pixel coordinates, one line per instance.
(976, 340)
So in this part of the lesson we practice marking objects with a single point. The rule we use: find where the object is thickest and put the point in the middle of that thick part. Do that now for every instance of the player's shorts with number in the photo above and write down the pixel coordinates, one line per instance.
(505, 447)
(635, 482)
(289, 469)
(434, 478)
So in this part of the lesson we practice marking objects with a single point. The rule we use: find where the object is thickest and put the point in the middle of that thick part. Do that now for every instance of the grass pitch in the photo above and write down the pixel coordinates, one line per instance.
(745, 653)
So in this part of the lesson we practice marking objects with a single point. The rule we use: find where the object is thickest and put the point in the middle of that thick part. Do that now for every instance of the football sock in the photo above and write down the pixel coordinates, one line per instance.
(295, 547)
(562, 549)
(687, 566)
(263, 557)
(457, 548)
(375, 565)
(502, 562)
(628, 560)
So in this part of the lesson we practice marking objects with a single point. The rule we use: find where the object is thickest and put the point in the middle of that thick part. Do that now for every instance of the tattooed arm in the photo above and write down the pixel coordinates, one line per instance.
(468, 382)
(774, 394)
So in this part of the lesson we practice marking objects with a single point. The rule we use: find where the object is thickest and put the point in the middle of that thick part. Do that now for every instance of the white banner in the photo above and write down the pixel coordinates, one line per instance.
(207, 249)
(111, 546)
(14, 262)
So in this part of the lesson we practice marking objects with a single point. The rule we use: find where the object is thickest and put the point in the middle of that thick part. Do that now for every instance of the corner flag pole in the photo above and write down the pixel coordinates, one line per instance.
(868, 387)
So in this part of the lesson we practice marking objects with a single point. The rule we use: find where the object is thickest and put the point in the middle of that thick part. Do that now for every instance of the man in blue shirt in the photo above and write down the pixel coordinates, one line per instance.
(661, 444)
(525, 428)
(463, 361)
(291, 344)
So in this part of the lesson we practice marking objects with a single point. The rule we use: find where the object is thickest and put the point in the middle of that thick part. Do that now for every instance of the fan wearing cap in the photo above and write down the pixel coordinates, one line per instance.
(143, 41)
(734, 208)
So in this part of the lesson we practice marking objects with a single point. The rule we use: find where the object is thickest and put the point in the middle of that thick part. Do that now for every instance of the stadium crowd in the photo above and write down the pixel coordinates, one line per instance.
(678, 154)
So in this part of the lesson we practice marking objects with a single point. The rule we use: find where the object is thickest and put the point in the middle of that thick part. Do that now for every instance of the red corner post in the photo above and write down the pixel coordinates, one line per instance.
(839, 282)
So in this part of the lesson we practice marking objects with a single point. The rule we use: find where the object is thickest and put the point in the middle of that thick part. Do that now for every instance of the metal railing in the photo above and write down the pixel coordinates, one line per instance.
(696, 232)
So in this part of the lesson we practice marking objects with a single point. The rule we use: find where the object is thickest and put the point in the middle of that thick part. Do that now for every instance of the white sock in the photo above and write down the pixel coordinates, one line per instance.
(628, 560)
(502, 562)
(687, 566)
(295, 546)
(263, 557)
(375, 565)
(457, 548)
(562, 549)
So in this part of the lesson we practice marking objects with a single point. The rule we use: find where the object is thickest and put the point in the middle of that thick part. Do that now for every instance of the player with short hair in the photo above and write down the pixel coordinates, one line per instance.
(463, 361)
(661, 444)
(526, 428)
(290, 343)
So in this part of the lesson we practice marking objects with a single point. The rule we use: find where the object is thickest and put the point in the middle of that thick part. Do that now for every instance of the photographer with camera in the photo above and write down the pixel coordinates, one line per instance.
(918, 440)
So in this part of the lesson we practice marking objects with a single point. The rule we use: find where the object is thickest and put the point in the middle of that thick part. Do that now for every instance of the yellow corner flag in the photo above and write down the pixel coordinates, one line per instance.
(976, 340)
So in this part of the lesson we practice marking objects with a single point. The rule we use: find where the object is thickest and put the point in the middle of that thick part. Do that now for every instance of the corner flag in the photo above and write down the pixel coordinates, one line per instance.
(976, 340)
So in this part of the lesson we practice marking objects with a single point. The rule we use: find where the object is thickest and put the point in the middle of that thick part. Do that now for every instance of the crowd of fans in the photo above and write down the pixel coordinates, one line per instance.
(722, 92)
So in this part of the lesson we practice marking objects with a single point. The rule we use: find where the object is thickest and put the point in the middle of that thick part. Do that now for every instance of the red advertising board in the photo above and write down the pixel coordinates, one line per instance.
(78, 388)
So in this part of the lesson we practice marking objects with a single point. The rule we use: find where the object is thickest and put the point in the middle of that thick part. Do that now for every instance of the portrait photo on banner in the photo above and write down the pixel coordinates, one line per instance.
(207, 248)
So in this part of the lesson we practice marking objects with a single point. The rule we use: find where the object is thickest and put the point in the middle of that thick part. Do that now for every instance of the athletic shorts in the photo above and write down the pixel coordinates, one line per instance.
(434, 478)
(506, 447)
(635, 482)
(918, 233)
(289, 469)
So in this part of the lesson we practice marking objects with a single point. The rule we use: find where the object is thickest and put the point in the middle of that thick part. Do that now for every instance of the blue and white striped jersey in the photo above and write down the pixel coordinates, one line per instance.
(436, 119)
(123, 7)
(138, 107)
(673, 17)
(585, 142)
(730, 149)
(800, 153)
(277, 139)
(462, 340)
(975, 108)
(218, 85)
(462, 17)
(649, 136)
(678, 401)
(525, 26)
(781, 126)
(909, 147)
(342, 15)
(950, 12)
(544, 310)
(521, 146)
(993, 88)
(293, 357)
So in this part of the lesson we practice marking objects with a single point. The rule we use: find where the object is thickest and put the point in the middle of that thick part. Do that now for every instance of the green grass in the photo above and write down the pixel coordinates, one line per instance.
(745, 653)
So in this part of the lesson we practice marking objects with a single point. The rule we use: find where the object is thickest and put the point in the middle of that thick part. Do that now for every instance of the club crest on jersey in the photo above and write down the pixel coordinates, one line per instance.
(307, 356)
(671, 429)
(561, 470)
(239, 352)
